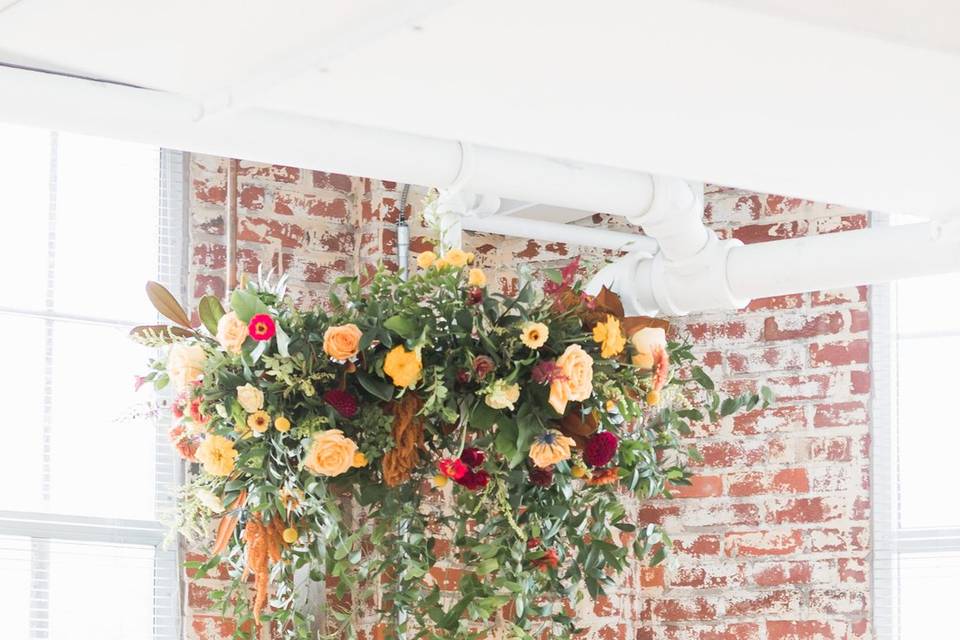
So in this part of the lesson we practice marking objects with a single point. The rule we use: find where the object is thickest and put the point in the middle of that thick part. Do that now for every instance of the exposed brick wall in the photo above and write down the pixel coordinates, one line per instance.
(772, 539)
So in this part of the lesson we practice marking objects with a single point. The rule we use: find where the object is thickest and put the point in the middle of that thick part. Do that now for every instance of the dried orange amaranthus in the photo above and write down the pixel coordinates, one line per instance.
(264, 545)
(408, 436)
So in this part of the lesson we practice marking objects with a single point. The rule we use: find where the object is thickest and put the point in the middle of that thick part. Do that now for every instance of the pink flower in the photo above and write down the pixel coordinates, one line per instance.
(344, 403)
(262, 327)
(600, 449)
(453, 469)
(483, 366)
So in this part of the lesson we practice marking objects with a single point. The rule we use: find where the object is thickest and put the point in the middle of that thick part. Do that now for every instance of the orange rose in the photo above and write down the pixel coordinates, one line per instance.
(342, 342)
(331, 453)
(576, 381)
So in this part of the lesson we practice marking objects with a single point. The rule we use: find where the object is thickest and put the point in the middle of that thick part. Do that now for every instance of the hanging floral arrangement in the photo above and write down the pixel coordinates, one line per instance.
(425, 424)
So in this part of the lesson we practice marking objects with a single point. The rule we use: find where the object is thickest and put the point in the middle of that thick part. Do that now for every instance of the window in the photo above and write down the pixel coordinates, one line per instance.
(916, 437)
(85, 479)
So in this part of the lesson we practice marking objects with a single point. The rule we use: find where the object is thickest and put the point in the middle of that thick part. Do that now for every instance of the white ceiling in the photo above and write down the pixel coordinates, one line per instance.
(852, 102)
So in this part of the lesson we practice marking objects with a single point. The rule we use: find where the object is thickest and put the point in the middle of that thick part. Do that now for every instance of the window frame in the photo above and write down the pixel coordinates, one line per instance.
(42, 528)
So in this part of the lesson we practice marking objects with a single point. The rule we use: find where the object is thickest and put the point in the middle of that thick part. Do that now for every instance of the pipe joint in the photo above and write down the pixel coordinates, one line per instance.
(674, 217)
(696, 283)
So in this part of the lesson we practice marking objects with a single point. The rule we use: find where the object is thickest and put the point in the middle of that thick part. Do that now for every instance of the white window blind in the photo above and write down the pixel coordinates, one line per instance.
(86, 479)
(916, 434)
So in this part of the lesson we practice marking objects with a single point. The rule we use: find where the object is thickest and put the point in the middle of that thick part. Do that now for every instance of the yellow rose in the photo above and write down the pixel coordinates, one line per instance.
(425, 259)
(231, 332)
(576, 381)
(457, 257)
(259, 421)
(403, 366)
(550, 448)
(646, 343)
(609, 336)
(185, 364)
(343, 342)
(250, 398)
(534, 334)
(330, 454)
(502, 395)
(217, 455)
(360, 460)
(477, 278)
(282, 424)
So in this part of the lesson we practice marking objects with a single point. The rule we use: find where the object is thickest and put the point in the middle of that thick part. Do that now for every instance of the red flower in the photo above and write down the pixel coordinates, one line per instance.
(463, 376)
(567, 276)
(541, 477)
(472, 457)
(344, 403)
(600, 449)
(474, 480)
(474, 295)
(453, 469)
(548, 560)
(533, 543)
(483, 366)
(179, 403)
(195, 414)
(185, 445)
(262, 327)
(546, 371)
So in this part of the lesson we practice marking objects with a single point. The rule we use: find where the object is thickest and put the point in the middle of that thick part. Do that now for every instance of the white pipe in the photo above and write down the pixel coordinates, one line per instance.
(172, 121)
(566, 233)
(837, 260)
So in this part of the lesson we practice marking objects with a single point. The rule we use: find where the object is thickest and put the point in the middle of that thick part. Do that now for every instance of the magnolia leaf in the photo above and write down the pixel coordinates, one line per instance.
(156, 334)
(702, 378)
(402, 326)
(164, 302)
(210, 311)
(380, 388)
(246, 304)
(283, 342)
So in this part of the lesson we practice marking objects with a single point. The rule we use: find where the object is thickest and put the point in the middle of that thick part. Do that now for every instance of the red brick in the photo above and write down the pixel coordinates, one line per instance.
(804, 630)
(198, 596)
(859, 320)
(713, 331)
(766, 232)
(753, 483)
(860, 382)
(729, 631)
(763, 543)
(674, 609)
(776, 303)
(762, 604)
(841, 414)
(701, 487)
(776, 574)
(838, 601)
(770, 420)
(651, 576)
(800, 387)
(838, 296)
(251, 197)
(206, 285)
(805, 510)
(209, 192)
(766, 359)
(836, 449)
(322, 180)
(793, 327)
(852, 570)
(274, 172)
(836, 354)
(834, 540)
(698, 546)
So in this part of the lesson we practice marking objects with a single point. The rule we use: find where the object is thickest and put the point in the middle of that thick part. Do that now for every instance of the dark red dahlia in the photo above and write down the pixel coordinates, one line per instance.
(541, 477)
(453, 469)
(474, 480)
(483, 366)
(474, 295)
(545, 372)
(473, 457)
(342, 401)
(600, 449)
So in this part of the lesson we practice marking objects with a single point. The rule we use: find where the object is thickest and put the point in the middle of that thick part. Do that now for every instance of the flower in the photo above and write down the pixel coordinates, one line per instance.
(196, 415)
(343, 401)
(610, 475)
(425, 259)
(534, 334)
(403, 366)
(645, 342)
(250, 398)
(600, 449)
(546, 371)
(208, 499)
(342, 342)
(290, 535)
(541, 476)
(360, 460)
(231, 332)
(483, 366)
(282, 424)
(661, 370)
(185, 445)
(217, 455)
(262, 327)
(473, 457)
(439, 481)
(457, 257)
(579, 471)
(548, 560)
(577, 381)
(550, 448)
(477, 278)
(259, 421)
(474, 296)
(501, 395)
(609, 336)
(474, 480)
(331, 453)
(533, 543)
(185, 364)
(451, 468)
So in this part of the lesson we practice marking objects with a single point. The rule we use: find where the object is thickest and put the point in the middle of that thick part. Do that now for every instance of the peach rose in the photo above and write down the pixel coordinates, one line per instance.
(250, 398)
(646, 343)
(576, 380)
(231, 332)
(185, 364)
(331, 453)
(342, 342)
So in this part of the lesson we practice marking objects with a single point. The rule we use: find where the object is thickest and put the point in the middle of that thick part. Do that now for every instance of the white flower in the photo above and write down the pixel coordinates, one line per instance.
(185, 364)
(502, 395)
(250, 398)
(209, 500)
